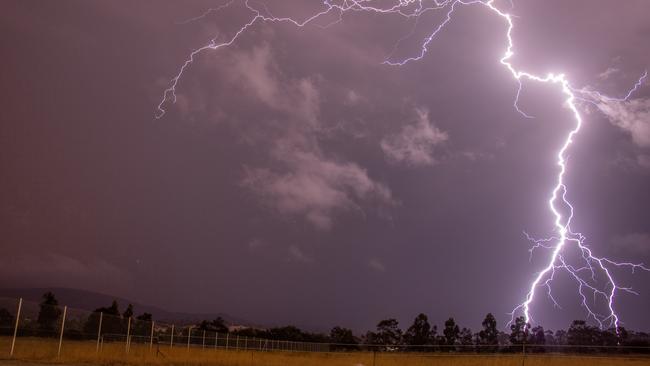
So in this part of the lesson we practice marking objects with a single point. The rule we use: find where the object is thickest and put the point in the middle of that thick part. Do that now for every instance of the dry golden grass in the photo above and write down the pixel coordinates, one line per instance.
(84, 352)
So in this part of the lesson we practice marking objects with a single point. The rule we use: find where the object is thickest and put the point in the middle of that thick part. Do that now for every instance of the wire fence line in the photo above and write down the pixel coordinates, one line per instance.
(54, 328)
(62, 323)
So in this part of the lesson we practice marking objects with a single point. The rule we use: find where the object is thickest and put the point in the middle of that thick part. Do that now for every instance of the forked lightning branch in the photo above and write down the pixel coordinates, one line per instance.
(594, 295)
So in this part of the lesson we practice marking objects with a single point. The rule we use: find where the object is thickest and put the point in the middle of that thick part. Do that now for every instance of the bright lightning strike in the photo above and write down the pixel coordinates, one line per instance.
(584, 275)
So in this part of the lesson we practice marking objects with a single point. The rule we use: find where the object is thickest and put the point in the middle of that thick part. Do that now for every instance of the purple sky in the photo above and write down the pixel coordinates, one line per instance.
(297, 179)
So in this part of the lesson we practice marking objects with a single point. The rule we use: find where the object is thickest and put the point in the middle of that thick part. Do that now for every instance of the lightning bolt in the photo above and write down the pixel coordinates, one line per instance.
(592, 266)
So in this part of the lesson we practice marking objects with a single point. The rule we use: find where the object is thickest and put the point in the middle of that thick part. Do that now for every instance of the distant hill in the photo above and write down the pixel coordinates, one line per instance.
(88, 300)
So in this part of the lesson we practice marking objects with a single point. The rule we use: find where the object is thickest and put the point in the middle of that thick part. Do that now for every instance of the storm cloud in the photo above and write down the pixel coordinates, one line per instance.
(299, 179)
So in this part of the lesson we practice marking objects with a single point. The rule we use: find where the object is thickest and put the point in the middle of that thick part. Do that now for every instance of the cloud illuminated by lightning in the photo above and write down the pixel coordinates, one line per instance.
(592, 266)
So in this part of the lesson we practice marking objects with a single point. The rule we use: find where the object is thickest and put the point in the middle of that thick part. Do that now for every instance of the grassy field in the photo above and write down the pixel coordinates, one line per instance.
(43, 351)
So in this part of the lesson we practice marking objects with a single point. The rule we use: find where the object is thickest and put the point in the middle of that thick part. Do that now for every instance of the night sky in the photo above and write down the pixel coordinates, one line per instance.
(298, 179)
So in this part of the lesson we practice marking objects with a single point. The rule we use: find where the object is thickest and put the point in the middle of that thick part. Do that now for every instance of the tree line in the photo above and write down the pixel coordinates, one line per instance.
(421, 335)
(48, 321)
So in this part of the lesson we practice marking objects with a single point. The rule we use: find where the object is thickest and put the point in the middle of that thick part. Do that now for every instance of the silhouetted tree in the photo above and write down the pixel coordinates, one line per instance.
(49, 312)
(344, 339)
(433, 335)
(560, 337)
(465, 338)
(388, 333)
(112, 310)
(419, 333)
(217, 325)
(582, 334)
(205, 325)
(519, 333)
(537, 339)
(450, 333)
(504, 338)
(111, 321)
(488, 337)
(639, 340)
(141, 325)
(549, 337)
(613, 337)
(254, 332)
(6, 321)
(286, 333)
(144, 317)
(128, 313)
(316, 337)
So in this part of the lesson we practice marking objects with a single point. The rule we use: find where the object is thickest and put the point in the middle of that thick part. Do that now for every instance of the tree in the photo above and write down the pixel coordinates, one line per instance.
(144, 317)
(549, 337)
(582, 334)
(560, 337)
(465, 338)
(388, 333)
(49, 313)
(614, 337)
(128, 313)
(287, 333)
(369, 338)
(419, 333)
(253, 332)
(6, 321)
(141, 326)
(519, 332)
(111, 321)
(639, 340)
(504, 338)
(316, 337)
(537, 338)
(488, 337)
(433, 335)
(450, 333)
(343, 339)
(113, 310)
(217, 325)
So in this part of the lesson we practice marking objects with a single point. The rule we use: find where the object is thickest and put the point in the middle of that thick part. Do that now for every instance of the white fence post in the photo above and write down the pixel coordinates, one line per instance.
(65, 311)
(171, 341)
(13, 341)
(227, 338)
(151, 336)
(189, 334)
(99, 329)
(203, 344)
(216, 339)
(128, 332)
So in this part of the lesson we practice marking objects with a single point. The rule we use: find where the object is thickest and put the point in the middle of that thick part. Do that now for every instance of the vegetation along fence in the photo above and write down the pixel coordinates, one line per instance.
(34, 331)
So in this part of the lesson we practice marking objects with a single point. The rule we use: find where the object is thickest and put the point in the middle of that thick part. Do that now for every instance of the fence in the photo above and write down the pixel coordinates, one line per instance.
(38, 332)
(54, 326)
